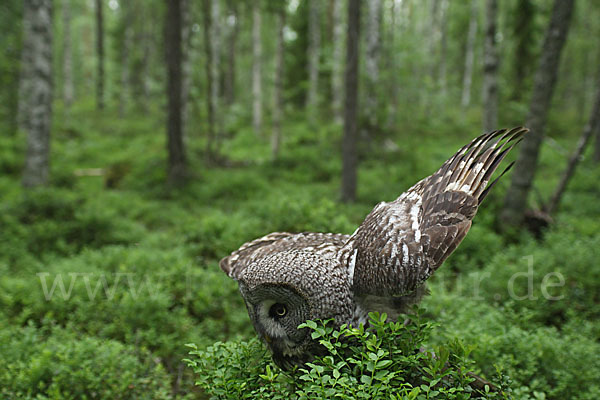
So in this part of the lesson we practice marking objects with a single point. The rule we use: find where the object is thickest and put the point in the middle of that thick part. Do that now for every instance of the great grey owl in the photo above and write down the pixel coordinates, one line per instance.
(288, 278)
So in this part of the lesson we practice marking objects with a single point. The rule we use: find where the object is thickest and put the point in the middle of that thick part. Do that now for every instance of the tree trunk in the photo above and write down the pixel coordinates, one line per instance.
(229, 87)
(469, 56)
(186, 66)
(442, 75)
(544, 82)
(38, 100)
(337, 75)
(349, 151)
(433, 38)
(68, 92)
(524, 33)
(490, 68)
(210, 79)
(26, 68)
(125, 49)
(591, 127)
(278, 93)
(373, 39)
(597, 148)
(256, 68)
(392, 84)
(314, 54)
(177, 169)
(99, 55)
(215, 49)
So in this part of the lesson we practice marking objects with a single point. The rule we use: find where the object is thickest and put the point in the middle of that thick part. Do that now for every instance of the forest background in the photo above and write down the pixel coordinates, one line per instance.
(142, 141)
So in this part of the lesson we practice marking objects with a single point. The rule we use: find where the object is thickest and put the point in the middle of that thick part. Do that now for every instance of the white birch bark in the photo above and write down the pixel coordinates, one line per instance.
(314, 53)
(39, 98)
(469, 56)
(256, 68)
(490, 68)
(26, 70)
(373, 39)
(68, 91)
(278, 92)
(337, 76)
(186, 79)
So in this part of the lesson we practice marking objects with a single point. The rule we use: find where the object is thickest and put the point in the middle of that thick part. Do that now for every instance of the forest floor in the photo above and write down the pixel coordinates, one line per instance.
(108, 273)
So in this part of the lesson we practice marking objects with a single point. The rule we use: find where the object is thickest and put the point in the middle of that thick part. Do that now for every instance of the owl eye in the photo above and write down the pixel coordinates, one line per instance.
(277, 310)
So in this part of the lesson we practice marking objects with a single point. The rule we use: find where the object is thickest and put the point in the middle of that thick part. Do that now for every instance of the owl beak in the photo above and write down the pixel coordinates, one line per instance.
(268, 338)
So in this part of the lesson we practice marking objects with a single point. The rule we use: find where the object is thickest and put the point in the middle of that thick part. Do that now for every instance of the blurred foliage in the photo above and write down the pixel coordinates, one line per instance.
(138, 260)
(54, 363)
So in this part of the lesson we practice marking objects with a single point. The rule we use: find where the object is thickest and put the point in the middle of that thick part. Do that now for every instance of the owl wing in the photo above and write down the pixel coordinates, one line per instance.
(235, 264)
(400, 244)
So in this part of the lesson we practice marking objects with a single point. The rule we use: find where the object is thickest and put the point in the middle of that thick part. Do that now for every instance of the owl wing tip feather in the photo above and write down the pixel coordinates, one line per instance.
(400, 244)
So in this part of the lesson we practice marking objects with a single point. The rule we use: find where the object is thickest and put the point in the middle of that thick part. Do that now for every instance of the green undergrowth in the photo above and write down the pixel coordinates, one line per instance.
(121, 263)
(384, 361)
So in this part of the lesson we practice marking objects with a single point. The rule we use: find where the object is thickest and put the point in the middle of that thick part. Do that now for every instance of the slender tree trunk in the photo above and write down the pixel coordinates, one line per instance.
(337, 75)
(349, 151)
(68, 92)
(544, 82)
(210, 79)
(229, 87)
(597, 147)
(524, 32)
(373, 39)
(433, 37)
(38, 112)
(442, 70)
(186, 80)
(125, 49)
(256, 68)
(490, 68)
(26, 68)
(177, 169)
(278, 93)
(314, 54)
(215, 49)
(592, 126)
(469, 56)
(147, 47)
(392, 62)
(99, 55)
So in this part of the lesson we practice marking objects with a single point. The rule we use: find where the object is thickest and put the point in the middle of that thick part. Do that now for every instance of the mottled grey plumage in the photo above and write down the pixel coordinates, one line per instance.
(287, 278)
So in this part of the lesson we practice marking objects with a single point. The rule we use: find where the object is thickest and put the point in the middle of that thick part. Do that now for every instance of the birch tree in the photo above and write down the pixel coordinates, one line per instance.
(26, 70)
(68, 91)
(99, 55)
(314, 54)
(211, 48)
(490, 68)
(186, 65)
(349, 151)
(524, 35)
(373, 39)
(125, 49)
(278, 92)
(233, 26)
(442, 69)
(38, 97)
(177, 166)
(546, 75)
(256, 68)
(337, 75)
(469, 55)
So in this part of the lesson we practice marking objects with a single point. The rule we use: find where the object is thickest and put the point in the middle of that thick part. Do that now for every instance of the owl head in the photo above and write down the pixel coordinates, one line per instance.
(286, 288)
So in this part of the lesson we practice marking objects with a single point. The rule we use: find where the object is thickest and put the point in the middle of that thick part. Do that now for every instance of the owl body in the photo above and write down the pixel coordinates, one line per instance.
(288, 278)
